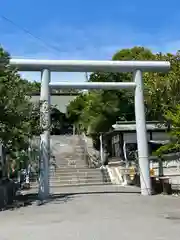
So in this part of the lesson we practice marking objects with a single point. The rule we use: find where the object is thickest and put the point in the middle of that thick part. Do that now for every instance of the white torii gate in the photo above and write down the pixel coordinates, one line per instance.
(48, 66)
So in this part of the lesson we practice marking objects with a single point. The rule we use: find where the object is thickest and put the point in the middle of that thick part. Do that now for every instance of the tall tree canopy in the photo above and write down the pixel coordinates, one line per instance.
(96, 111)
(19, 118)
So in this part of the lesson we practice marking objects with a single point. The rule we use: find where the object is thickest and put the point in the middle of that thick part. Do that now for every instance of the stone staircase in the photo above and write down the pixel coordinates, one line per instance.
(71, 166)
(78, 177)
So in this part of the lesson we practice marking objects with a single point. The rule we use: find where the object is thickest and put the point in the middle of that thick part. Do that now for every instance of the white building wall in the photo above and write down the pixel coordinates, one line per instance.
(131, 137)
(59, 101)
(160, 136)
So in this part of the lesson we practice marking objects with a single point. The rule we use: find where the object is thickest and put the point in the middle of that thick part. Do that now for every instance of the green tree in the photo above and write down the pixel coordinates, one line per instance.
(172, 116)
(76, 107)
(135, 53)
(161, 89)
(19, 118)
(102, 108)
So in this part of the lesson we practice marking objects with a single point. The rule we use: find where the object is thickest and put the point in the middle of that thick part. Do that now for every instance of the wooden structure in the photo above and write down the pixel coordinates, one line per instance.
(125, 132)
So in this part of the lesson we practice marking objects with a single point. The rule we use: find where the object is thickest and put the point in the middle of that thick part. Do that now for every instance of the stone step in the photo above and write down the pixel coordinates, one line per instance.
(66, 158)
(35, 187)
(60, 178)
(76, 169)
(72, 167)
(90, 176)
(81, 172)
(86, 179)
(76, 180)
(81, 175)
(80, 165)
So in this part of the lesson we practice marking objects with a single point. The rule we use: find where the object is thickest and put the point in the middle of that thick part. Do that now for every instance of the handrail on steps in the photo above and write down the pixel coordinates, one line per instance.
(92, 161)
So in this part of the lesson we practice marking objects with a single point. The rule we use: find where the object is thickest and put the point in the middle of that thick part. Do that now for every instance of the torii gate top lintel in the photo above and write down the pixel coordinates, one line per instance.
(89, 65)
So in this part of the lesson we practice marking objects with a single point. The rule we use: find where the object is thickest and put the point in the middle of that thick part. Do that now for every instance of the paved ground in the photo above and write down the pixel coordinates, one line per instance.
(95, 217)
(89, 189)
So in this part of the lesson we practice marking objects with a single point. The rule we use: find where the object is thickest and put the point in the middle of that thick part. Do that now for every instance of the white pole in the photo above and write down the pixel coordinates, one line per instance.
(74, 129)
(45, 136)
(142, 135)
(127, 164)
(92, 85)
(101, 149)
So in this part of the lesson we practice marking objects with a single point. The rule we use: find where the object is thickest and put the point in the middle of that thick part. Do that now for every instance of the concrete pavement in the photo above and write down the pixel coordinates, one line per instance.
(95, 216)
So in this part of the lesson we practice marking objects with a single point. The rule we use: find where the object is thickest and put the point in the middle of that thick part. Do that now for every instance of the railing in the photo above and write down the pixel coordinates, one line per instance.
(91, 160)
(156, 164)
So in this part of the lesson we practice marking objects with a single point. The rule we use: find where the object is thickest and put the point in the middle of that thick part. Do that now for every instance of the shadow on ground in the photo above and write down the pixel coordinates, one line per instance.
(29, 199)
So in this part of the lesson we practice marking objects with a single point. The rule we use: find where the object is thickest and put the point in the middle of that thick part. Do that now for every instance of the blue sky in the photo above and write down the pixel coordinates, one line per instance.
(81, 29)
